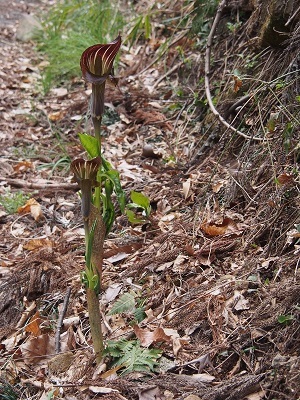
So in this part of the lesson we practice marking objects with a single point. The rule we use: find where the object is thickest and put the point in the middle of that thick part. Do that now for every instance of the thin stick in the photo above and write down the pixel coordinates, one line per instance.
(167, 74)
(181, 36)
(61, 320)
(292, 17)
(207, 73)
(32, 185)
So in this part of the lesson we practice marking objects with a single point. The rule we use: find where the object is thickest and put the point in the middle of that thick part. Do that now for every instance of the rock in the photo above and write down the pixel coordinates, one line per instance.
(28, 27)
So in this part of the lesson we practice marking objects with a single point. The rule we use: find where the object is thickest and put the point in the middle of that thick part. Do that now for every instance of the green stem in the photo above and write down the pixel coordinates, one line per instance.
(95, 322)
(92, 290)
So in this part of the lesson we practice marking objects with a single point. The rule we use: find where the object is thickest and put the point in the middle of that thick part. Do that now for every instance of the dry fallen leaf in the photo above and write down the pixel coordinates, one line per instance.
(23, 166)
(34, 324)
(212, 229)
(147, 337)
(285, 179)
(56, 116)
(256, 396)
(36, 349)
(102, 389)
(237, 83)
(150, 394)
(35, 244)
(59, 92)
(32, 207)
(186, 187)
(60, 363)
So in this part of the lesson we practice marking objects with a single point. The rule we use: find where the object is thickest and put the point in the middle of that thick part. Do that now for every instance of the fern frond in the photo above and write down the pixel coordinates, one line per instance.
(139, 314)
(125, 303)
(133, 357)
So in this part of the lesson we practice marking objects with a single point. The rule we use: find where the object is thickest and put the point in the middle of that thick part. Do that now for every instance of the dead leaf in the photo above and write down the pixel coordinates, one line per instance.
(237, 83)
(186, 187)
(266, 263)
(111, 372)
(35, 244)
(32, 207)
(102, 389)
(112, 291)
(285, 179)
(117, 257)
(34, 324)
(60, 363)
(36, 349)
(217, 186)
(150, 394)
(56, 116)
(212, 229)
(23, 166)
(147, 337)
(59, 92)
(241, 303)
(150, 117)
(205, 378)
(256, 396)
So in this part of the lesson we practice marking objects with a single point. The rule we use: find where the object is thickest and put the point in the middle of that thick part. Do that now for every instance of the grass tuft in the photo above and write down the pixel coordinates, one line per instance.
(12, 201)
(68, 29)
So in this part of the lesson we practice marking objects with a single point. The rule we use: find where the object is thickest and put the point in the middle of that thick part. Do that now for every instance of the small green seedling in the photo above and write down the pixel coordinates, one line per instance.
(285, 319)
(140, 202)
(12, 201)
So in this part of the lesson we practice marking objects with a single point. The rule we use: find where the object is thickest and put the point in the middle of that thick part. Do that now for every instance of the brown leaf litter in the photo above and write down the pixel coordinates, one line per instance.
(217, 263)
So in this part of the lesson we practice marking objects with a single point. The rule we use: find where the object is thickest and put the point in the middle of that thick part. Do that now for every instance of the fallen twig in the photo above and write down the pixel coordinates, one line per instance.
(20, 183)
(207, 73)
(61, 320)
(167, 74)
(177, 39)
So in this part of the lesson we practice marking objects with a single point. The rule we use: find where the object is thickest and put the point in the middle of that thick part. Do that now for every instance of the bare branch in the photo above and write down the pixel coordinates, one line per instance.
(207, 73)
(61, 320)
(45, 185)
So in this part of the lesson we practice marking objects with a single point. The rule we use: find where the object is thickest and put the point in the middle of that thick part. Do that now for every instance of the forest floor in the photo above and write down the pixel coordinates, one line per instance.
(214, 269)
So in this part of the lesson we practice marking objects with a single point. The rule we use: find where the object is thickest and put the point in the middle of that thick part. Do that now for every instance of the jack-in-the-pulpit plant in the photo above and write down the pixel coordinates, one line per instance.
(98, 181)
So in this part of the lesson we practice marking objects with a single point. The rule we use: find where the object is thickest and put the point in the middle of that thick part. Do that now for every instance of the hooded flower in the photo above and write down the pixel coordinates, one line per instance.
(96, 65)
(85, 173)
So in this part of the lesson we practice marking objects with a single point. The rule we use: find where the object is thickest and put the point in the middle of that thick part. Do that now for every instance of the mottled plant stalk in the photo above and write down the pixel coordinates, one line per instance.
(85, 173)
(96, 66)
(95, 223)
(95, 323)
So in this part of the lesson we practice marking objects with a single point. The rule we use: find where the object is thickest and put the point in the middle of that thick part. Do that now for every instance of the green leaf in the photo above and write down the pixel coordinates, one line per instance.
(125, 303)
(114, 176)
(141, 201)
(108, 207)
(106, 164)
(132, 218)
(285, 319)
(139, 314)
(90, 144)
(133, 34)
(132, 356)
(147, 24)
(109, 172)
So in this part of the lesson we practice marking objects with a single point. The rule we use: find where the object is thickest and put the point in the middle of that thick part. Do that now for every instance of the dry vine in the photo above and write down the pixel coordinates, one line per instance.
(207, 73)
